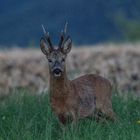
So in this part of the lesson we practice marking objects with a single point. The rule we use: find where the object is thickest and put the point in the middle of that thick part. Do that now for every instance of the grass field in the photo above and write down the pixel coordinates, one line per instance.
(28, 117)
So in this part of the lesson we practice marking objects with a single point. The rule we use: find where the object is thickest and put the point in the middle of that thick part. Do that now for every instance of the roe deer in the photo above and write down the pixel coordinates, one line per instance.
(86, 96)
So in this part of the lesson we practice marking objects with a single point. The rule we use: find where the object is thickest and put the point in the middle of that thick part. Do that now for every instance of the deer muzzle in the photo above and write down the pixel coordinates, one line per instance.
(57, 69)
(57, 72)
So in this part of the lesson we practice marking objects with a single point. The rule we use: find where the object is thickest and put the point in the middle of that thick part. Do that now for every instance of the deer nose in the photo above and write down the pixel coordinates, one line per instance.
(57, 72)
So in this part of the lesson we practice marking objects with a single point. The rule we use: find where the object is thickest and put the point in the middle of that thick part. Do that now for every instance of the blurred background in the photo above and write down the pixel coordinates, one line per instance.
(90, 22)
(105, 36)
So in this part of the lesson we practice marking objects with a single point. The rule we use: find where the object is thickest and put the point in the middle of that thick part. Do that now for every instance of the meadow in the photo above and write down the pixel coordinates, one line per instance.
(24, 116)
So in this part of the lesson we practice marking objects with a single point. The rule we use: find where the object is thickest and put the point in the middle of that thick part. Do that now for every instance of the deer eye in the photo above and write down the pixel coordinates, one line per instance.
(63, 60)
(49, 60)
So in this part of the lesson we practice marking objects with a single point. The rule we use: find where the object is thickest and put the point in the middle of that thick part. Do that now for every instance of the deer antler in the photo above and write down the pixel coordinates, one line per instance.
(46, 38)
(63, 35)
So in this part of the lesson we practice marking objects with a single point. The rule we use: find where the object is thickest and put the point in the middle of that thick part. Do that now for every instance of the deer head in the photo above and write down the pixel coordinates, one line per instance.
(56, 56)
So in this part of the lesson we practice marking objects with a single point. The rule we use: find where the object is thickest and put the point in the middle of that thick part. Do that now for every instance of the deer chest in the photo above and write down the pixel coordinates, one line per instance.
(59, 105)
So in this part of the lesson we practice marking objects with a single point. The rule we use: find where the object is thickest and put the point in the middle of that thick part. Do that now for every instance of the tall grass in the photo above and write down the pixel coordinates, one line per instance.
(27, 117)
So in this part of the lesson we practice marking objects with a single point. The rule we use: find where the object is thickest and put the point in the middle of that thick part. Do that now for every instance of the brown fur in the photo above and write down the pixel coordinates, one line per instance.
(81, 97)
(86, 96)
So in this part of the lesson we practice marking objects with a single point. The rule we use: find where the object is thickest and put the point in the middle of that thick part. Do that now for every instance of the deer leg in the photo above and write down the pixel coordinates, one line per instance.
(109, 111)
(110, 114)
(62, 119)
(104, 110)
(74, 117)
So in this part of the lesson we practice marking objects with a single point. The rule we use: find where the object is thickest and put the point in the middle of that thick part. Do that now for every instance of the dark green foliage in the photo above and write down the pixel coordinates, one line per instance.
(28, 117)
(130, 29)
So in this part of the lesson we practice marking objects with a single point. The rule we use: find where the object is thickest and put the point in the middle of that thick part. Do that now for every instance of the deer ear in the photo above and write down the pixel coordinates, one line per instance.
(44, 47)
(67, 45)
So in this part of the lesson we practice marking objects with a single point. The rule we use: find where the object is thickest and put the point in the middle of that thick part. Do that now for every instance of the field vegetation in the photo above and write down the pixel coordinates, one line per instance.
(24, 116)
(28, 68)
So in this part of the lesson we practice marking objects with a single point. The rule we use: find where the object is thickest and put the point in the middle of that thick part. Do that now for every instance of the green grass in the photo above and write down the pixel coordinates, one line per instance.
(28, 117)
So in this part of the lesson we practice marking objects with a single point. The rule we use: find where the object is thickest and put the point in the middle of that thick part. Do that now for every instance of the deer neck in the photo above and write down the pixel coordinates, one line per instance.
(59, 86)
